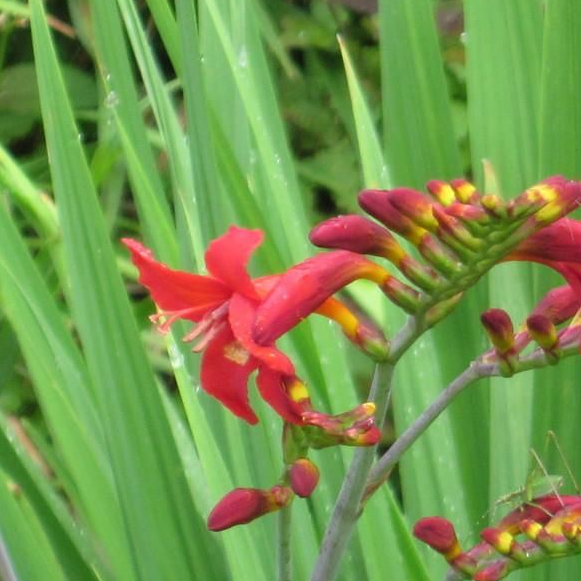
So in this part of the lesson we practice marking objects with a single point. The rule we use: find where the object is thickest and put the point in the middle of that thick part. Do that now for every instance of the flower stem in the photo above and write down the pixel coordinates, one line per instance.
(346, 509)
(283, 554)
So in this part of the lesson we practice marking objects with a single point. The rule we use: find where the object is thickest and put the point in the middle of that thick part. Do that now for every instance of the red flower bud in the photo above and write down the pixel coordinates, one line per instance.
(442, 191)
(438, 533)
(304, 477)
(243, 505)
(357, 234)
(542, 331)
(499, 328)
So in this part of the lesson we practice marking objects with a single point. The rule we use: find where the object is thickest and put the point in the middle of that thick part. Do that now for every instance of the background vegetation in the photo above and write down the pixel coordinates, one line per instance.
(168, 121)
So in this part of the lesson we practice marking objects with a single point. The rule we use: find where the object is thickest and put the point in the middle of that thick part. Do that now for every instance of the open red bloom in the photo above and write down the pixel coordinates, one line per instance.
(223, 305)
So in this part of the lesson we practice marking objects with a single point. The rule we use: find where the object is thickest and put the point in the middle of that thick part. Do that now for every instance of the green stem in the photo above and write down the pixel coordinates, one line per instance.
(346, 509)
(283, 554)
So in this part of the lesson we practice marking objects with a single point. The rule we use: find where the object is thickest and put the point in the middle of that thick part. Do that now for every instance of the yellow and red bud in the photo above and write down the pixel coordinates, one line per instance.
(499, 329)
(502, 541)
(465, 191)
(377, 203)
(543, 331)
(442, 191)
(530, 528)
(243, 505)
(439, 534)
(415, 205)
(494, 205)
(562, 197)
(304, 477)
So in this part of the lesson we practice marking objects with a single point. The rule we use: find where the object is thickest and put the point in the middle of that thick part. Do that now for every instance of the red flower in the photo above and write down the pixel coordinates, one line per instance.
(222, 304)
(558, 246)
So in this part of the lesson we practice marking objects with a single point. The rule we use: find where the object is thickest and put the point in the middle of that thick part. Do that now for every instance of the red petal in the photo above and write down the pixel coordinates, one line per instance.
(175, 290)
(241, 316)
(224, 374)
(274, 393)
(559, 242)
(227, 258)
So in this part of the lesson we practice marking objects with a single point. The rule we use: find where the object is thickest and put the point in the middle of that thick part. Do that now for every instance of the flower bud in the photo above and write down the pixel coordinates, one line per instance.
(502, 541)
(357, 234)
(243, 505)
(304, 477)
(498, 326)
(378, 204)
(542, 331)
(442, 191)
(439, 534)
(414, 205)
(465, 191)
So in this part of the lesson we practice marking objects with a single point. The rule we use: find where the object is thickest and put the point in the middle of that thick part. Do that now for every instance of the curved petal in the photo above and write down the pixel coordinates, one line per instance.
(224, 374)
(227, 258)
(558, 242)
(241, 317)
(271, 387)
(303, 289)
(175, 290)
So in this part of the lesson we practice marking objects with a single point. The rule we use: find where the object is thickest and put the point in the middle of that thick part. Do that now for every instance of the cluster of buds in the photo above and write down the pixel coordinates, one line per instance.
(539, 327)
(546, 528)
(459, 233)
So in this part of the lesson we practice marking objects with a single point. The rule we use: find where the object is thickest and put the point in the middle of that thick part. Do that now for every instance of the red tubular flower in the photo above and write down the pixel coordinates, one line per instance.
(243, 505)
(223, 305)
(305, 287)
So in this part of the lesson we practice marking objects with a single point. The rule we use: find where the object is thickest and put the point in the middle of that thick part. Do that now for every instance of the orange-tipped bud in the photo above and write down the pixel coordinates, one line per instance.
(499, 329)
(439, 534)
(304, 477)
(243, 505)
(543, 331)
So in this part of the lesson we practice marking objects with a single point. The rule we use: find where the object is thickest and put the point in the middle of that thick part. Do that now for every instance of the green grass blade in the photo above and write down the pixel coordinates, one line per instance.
(417, 121)
(375, 172)
(160, 520)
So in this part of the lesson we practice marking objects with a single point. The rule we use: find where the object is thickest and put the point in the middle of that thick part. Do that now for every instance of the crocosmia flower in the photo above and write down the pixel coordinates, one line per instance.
(222, 304)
